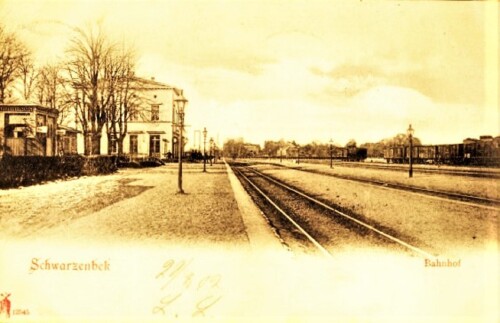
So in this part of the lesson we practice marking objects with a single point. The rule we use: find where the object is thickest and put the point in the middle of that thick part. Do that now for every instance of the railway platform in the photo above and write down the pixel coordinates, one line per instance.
(260, 234)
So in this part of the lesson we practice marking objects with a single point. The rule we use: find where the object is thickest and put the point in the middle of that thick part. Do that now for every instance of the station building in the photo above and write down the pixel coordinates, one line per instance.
(28, 130)
(152, 129)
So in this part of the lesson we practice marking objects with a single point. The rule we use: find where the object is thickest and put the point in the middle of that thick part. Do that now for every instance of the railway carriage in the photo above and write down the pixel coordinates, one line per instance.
(482, 152)
(425, 154)
(394, 154)
(356, 154)
(450, 154)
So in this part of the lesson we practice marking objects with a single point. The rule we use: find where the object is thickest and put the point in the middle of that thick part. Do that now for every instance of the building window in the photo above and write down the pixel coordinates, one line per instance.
(40, 120)
(165, 146)
(134, 148)
(155, 112)
(154, 145)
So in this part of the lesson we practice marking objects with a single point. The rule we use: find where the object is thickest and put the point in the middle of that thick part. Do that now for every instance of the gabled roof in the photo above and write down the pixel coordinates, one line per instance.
(151, 84)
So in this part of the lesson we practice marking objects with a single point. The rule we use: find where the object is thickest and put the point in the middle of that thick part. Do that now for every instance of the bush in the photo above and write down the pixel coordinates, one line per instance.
(138, 161)
(151, 163)
(28, 170)
(96, 165)
(131, 164)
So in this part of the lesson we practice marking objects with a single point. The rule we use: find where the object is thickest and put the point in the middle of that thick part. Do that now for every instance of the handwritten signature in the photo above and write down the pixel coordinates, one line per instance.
(179, 286)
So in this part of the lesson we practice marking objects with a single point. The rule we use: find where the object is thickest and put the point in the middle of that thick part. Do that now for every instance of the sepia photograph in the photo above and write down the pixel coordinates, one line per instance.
(249, 161)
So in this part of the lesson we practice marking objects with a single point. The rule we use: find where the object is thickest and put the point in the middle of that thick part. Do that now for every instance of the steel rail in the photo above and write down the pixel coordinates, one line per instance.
(443, 194)
(446, 171)
(451, 196)
(328, 207)
(395, 167)
(304, 232)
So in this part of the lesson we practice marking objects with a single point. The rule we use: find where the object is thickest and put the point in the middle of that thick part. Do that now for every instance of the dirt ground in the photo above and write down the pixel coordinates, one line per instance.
(135, 204)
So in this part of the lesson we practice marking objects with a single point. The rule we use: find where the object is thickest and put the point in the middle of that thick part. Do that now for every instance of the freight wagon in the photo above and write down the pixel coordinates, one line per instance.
(482, 152)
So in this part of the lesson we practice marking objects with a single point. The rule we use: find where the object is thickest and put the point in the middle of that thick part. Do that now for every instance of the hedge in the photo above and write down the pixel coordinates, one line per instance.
(28, 170)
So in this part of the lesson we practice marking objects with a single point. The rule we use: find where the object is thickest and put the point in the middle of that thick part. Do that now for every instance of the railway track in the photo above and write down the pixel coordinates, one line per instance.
(306, 223)
(416, 168)
(477, 200)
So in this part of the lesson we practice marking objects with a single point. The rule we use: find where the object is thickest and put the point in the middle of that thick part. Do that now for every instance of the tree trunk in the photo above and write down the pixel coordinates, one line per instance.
(120, 146)
(110, 143)
(87, 143)
(96, 143)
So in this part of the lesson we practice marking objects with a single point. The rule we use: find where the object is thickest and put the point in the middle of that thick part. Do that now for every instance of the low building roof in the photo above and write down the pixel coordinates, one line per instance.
(26, 106)
(68, 129)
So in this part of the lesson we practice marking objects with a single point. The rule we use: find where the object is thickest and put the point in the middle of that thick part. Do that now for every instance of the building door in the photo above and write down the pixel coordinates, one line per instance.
(154, 146)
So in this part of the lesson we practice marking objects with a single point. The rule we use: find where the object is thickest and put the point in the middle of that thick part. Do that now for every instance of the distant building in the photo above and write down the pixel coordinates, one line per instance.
(28, 130)
(251, 149)
(289, 150)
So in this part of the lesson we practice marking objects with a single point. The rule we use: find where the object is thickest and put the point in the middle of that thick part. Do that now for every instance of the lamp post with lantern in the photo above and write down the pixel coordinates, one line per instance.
(331, 153)
(410, 131)
(298, 154)
(180, 105)
(211, 150)
(204, 150)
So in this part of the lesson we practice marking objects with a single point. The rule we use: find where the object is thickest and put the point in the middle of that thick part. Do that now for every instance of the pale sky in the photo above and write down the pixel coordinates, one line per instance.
(300, 70)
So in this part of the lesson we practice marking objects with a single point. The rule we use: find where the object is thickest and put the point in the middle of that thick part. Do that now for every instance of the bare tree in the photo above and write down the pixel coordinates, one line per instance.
(125, 99)
(28, 78)
(400, 139)
(52, 91)
(351, 143)
(12, 55)
(88, 54)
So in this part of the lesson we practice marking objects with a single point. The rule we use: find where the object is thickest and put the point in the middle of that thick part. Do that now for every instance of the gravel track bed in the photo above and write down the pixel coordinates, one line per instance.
(333, 232)
(443, 228)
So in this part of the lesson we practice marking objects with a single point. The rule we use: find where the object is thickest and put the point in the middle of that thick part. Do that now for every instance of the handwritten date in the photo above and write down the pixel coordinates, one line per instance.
(182, 290)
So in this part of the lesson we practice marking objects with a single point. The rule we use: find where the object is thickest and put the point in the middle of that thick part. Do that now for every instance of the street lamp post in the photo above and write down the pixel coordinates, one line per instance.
(215, 153)
(181, 104)
(204, 150)
(410, 131)
(210, 150)
(331, 152)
